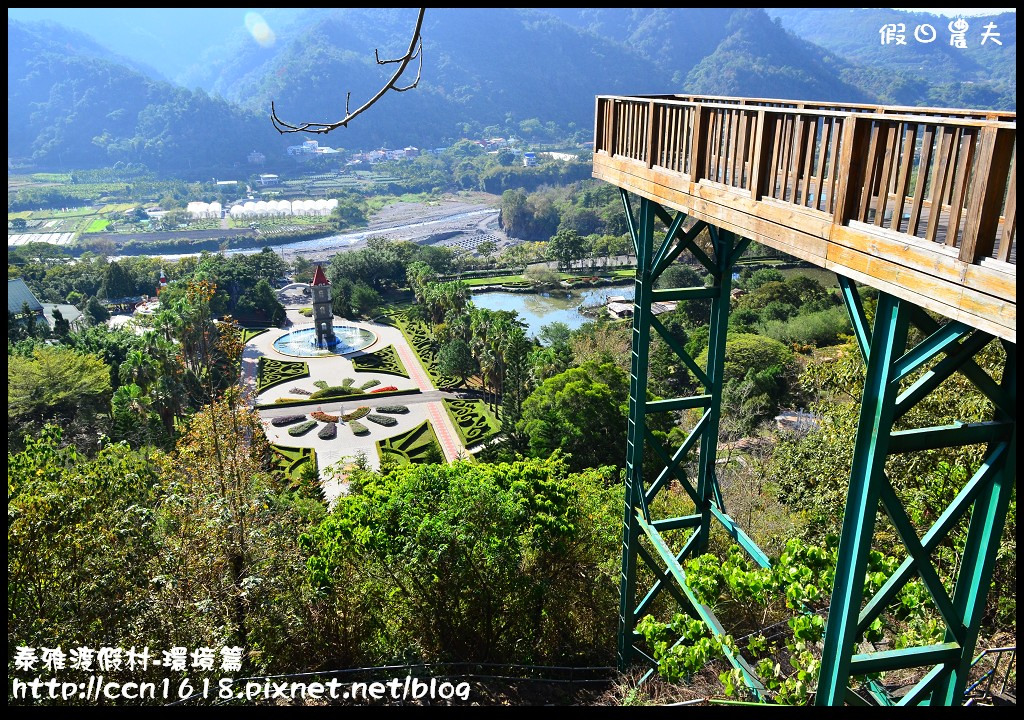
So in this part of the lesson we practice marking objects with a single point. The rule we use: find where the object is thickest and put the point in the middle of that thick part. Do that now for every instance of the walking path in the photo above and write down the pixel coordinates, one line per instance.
(443, 428)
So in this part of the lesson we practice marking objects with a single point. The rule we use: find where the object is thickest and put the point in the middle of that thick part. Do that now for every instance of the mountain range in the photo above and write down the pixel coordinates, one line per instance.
(76, 102)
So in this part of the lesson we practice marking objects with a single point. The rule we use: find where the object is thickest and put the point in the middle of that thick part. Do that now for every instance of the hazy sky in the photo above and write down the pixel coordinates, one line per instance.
(960, 11)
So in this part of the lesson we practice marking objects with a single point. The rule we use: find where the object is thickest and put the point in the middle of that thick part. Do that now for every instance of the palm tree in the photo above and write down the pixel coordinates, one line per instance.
(138, 368)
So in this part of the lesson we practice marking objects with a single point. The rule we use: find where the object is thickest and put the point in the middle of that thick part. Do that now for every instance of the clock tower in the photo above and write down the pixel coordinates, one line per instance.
(323, 312)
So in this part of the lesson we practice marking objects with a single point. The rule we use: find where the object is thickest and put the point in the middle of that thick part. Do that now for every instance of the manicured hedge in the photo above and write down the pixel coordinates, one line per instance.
(384, 361)
(271, 372)
(413, 446)
(290, 460)
(393, 409)
(471, 420)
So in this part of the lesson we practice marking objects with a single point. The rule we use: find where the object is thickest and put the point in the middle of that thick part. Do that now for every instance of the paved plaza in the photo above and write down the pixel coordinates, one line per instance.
(334, 455)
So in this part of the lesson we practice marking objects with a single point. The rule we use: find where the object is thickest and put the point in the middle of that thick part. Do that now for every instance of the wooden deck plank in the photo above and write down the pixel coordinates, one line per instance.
(929, 275)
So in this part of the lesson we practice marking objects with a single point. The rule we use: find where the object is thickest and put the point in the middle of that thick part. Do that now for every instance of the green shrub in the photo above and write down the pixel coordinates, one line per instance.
(384, 420)
(359, 412)
(369, 384)
(287, 420)
(328, 432)
(334, 391)
(393, 409)
(303, 428)
(820, 328)
(322, 384)
(358, 428)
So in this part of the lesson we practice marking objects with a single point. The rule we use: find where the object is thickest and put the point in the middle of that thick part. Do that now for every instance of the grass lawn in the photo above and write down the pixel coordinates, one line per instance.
(97, 225)
(476, 282)
(249, 333)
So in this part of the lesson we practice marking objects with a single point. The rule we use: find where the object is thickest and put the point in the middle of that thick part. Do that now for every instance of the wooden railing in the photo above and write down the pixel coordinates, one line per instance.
(943, 176)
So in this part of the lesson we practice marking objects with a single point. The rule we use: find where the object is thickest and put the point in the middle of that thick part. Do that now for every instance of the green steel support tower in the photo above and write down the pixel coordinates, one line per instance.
(889, 393)
(652, 259)
(897, 379)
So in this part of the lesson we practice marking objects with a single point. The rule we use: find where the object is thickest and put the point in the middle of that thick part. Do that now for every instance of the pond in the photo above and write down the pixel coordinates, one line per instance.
(540, 310)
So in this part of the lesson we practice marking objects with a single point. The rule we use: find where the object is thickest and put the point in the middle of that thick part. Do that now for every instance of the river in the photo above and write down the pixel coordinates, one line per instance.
(342, 241)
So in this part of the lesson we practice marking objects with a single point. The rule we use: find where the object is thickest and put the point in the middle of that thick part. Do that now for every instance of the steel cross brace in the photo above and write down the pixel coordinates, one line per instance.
(985, 496)
(664, 562)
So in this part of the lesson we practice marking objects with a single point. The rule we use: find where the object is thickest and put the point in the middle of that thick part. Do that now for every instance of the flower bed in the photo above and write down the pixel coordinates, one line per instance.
(386, 388)
(356, 414)
(300, 391)
(369, 384)
(328, 431)
(393, 409)
(323, 417)
(334, 391)
(287, 420)
(358, 428)
(302, 429)
(384, 420)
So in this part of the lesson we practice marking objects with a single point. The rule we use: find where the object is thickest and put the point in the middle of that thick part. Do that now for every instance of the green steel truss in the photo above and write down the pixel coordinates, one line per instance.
(985, 497)
(642, 538)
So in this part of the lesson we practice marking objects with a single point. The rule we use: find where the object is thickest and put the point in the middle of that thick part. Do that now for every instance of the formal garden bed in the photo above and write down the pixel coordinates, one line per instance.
(271, 372)
(302, 429)
(315, 399)
(421, 340)
(384, 361)
(418, 445)
(472, 420)
(289, 460)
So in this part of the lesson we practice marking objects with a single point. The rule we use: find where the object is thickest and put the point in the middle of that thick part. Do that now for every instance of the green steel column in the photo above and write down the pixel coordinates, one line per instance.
(724, 242)
(979, 556)
(888, 341)
(644, 238)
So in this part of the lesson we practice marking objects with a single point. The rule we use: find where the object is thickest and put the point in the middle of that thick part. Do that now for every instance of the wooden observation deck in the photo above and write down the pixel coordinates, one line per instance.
(917, 202)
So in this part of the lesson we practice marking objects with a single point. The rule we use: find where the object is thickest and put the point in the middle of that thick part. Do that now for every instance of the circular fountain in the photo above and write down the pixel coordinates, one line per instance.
(302, 342)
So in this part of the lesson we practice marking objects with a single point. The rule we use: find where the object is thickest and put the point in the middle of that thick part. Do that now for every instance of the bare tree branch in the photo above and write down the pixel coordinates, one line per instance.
(414, 52)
